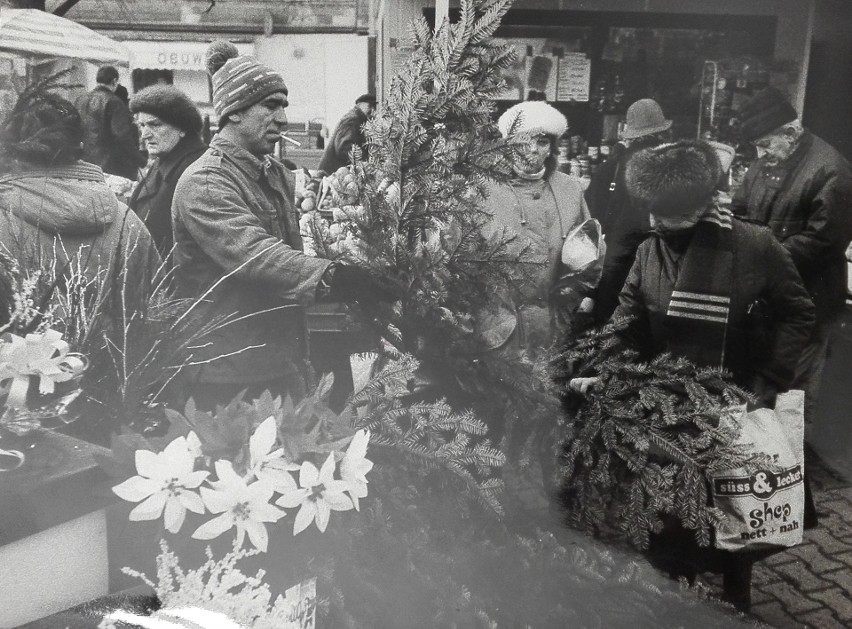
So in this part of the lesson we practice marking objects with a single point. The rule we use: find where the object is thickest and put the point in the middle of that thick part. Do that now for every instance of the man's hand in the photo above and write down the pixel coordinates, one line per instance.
(583, 385)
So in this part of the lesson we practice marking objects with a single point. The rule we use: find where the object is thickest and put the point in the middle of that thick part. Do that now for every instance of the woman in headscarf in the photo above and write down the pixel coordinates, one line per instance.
(170, 124)
(540, 207)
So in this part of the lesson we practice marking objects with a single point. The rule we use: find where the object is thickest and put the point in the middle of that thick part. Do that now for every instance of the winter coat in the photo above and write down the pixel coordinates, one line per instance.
(624, 225)
(540, 213)
(152, 197)
(347, 133)
(770, 316)
(112, 141)
(807, 203)
(68, 219)
(235, 226)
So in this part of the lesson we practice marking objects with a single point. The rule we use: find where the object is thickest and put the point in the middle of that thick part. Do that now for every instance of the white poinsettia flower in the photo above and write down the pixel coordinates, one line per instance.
(164, 483)
(317, 497)
(354, 466)
(241, 505)
(267, 464)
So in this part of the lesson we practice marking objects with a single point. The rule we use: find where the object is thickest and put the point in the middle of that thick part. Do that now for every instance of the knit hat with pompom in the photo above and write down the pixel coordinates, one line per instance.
(238, 81)
(672, 179)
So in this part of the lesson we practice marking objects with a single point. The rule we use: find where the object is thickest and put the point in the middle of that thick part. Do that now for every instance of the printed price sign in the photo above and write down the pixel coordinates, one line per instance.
(573, 77)
(302, 602)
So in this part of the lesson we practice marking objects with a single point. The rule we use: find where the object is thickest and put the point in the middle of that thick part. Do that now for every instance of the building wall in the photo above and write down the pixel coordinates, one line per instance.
(792, 38)
(324, 73)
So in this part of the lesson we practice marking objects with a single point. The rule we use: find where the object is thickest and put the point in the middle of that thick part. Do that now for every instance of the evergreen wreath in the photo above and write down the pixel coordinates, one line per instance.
(639, 446)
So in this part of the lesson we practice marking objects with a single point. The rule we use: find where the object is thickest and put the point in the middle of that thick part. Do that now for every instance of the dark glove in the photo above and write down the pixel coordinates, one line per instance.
(353, 283)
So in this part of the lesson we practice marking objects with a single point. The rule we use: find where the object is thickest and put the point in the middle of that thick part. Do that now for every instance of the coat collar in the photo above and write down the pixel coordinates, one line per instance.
(187, 144)
(245, 161)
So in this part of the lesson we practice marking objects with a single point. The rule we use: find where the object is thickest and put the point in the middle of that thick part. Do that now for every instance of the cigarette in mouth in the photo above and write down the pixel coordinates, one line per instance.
(290, 140)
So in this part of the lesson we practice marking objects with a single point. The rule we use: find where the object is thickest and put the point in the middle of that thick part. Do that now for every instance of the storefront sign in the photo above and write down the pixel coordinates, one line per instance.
(170, 55)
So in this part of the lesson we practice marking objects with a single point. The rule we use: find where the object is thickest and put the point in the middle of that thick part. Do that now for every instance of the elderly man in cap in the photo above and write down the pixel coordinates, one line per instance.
(347, 134)
(237, 245)
(624, 226)
(802, 189)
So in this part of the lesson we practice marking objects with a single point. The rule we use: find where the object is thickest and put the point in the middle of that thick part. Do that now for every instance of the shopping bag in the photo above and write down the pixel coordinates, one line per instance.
(580, 264)
(765, 509)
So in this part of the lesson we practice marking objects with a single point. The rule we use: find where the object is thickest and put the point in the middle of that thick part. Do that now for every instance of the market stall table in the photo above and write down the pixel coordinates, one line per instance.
(53, 549)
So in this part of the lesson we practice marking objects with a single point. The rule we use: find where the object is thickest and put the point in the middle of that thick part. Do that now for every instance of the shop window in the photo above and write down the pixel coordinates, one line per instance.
(143, 77)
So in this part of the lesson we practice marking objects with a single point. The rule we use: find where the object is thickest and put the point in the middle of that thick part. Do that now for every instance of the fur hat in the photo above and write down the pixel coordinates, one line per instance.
(238, 81)
(671, 179)
(170, 105)
(533, 117)
(764, 112)
(366, 98)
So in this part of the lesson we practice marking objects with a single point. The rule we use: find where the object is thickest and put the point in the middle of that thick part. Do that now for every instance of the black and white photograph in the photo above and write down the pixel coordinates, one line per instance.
(425, 314)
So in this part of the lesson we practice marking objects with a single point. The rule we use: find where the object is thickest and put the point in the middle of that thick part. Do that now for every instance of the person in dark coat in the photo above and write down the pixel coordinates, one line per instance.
(111, 141)
(238, 252)
(170, 124)
(716, 290)
(801, 188)
(624, 226)
(347, 134)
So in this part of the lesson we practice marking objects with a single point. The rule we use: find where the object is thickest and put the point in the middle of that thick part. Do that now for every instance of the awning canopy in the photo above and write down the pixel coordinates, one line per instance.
(30, 32)
(173, 55)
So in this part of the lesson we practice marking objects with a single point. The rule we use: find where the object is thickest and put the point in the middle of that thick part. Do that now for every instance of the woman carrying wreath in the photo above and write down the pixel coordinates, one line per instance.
(716, 290)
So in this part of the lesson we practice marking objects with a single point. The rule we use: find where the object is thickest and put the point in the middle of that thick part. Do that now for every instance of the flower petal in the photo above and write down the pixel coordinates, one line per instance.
(191, 500)
(174, 515)
(292, 499)
(215, 527)
(217, 501)
(149, 509)
(305, 516)
(266, 513)
(308, 475)
(136, 488)
(194, 479)
(261, 442)
(338, 502)
(257, 534)
(146, 463)
(323, 513)
(327, 472)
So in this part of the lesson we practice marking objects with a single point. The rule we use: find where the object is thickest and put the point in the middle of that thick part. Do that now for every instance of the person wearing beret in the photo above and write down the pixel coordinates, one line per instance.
(800, 187)
(347, 134)
(170, 124)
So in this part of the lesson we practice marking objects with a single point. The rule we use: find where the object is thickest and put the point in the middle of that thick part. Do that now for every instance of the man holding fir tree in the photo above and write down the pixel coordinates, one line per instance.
(238, 249)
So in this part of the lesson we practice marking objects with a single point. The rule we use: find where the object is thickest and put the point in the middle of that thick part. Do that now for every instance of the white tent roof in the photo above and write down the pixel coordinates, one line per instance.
(31, 32)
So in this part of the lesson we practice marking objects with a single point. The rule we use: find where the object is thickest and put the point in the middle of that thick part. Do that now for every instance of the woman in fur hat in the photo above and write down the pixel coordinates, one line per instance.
(170, 124)
(541, 206)
(716, 290)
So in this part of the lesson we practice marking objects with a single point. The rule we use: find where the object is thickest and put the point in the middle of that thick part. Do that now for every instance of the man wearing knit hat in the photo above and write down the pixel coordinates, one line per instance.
(348, 134)
(802, 189)
(625, 226)
(170, 124)
(237, 245)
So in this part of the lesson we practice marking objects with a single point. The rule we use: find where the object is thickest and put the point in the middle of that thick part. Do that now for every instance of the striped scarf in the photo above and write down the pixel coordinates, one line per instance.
(697, 316)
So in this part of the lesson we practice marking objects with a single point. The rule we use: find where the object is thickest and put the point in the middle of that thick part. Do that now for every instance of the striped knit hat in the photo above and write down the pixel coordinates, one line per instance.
(238, 81)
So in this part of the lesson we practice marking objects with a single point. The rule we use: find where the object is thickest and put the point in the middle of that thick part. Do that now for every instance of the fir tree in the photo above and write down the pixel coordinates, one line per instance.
(433, 149)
